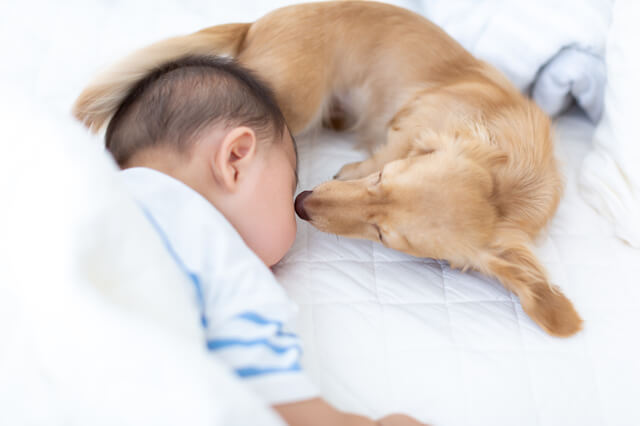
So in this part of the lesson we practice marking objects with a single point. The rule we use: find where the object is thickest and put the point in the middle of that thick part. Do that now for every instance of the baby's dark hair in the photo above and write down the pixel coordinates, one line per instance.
(175, 102)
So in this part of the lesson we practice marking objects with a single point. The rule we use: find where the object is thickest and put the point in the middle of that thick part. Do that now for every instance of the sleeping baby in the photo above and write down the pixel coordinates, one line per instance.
(208, 156)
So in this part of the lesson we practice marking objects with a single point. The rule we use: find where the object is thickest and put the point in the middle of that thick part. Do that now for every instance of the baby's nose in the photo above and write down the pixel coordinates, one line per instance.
(299, 205)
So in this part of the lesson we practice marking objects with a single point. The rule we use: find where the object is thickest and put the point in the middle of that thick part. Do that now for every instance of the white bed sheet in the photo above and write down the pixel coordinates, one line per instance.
(387, 332)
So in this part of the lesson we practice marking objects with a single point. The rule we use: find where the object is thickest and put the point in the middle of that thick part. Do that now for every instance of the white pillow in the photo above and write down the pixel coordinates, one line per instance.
(98, 326)
(610, 175)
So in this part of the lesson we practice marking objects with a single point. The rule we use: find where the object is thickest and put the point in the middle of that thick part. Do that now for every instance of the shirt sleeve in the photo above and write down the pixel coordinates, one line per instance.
(244, 311)
(263, 353)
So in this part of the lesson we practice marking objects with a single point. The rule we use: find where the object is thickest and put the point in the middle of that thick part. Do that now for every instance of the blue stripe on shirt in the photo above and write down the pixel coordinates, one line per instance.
(217, 344)
(257, 319)
(223, 343)
(192, 276)
(259, 371)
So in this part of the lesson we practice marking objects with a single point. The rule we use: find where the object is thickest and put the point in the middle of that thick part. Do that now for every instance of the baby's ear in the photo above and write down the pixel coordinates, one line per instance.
(234, 156)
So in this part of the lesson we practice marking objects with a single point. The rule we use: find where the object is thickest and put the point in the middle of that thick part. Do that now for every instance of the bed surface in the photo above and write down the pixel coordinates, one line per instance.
(387, 332)
(383, 331)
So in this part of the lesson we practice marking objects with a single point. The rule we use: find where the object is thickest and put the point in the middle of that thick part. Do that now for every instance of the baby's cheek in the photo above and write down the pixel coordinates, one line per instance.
(291, 230)
(285, 230)
(276, 229)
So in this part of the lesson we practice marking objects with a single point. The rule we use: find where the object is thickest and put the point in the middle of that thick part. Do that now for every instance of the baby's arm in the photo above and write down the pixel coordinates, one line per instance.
(317, 412)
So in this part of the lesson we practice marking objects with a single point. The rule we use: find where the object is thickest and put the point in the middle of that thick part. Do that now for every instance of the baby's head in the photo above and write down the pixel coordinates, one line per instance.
(213, 125)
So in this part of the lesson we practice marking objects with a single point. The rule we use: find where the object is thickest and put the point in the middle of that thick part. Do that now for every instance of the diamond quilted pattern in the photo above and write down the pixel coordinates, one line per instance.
(388, 332)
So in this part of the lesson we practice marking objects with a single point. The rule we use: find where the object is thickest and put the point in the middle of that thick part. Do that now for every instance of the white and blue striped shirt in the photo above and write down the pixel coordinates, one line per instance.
(244, 311)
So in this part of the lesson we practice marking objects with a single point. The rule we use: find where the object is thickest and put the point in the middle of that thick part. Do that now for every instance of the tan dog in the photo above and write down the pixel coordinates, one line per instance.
(465, 169)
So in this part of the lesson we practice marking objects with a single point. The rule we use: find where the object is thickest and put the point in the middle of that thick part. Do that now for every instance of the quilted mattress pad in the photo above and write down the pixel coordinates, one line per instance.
(386, 332)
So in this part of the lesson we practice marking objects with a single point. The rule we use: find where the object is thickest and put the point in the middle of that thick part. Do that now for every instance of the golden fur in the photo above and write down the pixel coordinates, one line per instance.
(464, 168)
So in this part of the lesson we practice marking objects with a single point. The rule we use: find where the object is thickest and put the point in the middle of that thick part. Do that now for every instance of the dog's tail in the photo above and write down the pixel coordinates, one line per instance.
(511, 261)
(101, 99)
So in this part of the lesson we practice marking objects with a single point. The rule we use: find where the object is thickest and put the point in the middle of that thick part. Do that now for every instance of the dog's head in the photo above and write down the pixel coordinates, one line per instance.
(423, 204)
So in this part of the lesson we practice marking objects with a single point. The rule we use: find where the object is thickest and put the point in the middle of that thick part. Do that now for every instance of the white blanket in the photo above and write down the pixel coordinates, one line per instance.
(98, 325)
(550, 49)
(610, 175)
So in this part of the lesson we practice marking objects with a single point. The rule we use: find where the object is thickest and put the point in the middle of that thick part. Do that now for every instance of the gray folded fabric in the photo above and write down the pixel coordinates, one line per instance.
(573, 75)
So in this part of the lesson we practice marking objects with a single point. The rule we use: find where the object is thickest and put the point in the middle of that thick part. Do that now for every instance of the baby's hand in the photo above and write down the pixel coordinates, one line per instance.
(399, 420)
(317, 412)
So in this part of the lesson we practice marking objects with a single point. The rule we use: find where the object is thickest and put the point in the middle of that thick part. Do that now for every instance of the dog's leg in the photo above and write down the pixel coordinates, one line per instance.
(516, 267)
(382, 156)
(404, 138)
(399, 144)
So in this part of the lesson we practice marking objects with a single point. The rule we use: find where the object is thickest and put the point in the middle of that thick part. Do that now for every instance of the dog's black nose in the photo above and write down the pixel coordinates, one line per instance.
(299, 205)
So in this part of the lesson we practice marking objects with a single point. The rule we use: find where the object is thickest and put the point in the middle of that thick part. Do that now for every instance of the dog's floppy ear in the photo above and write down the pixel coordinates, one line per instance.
(489, 156)
(475, 142)
(512, 262)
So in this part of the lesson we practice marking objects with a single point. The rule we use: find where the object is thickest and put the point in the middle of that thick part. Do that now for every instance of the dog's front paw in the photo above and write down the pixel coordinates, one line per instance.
(350, 171)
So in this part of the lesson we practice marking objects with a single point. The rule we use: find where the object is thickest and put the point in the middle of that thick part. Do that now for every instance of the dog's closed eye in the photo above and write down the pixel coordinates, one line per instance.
(373, 182)
(377, 228)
